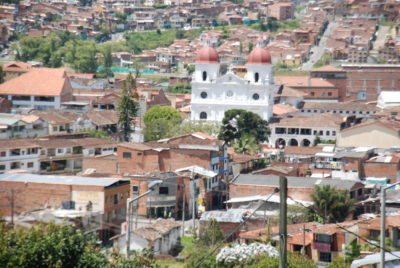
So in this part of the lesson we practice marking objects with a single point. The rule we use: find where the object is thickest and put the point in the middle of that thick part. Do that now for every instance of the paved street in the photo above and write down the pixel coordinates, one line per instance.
(381, 34)
(317, 51)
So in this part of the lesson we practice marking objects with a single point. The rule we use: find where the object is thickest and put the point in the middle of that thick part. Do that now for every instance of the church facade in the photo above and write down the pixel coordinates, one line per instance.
(213, 93)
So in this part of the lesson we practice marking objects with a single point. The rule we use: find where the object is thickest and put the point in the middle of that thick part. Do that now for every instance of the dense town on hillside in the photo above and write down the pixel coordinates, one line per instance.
(181, 133)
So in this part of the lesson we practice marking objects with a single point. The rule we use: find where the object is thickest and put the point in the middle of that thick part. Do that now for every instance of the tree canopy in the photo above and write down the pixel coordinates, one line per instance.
(238, 123)
(127, 107)
(61, 246)
(159, 120)
(330, 204)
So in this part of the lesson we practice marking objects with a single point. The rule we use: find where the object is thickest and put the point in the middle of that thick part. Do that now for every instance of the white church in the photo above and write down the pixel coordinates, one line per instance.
(213, 93)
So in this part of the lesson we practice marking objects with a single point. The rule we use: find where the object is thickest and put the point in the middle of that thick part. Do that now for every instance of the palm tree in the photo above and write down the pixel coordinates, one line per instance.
(331, 204)
(246, 144)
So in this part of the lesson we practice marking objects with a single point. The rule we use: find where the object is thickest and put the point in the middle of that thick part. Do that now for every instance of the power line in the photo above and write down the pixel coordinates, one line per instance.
(235, 230)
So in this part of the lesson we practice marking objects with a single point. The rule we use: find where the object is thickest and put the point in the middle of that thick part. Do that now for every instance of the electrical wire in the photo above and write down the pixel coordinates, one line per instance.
(235, 230)
(350, 232)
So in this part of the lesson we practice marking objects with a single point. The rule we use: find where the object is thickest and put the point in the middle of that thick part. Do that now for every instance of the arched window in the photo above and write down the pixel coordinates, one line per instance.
(203, 115)
(204, 75)
(256, 77)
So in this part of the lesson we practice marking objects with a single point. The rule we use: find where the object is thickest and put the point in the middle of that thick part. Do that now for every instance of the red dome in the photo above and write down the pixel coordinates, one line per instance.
(259, 56)
(207, 54)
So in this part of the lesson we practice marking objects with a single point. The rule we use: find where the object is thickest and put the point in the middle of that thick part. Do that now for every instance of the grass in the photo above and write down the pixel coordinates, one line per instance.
(387, 23)
(188, 245)
(170, 264)
(139, 41)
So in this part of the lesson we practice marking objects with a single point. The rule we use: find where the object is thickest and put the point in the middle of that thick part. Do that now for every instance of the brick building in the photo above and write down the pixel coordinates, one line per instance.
(174, 153)
(365, 81)
(33, 192)
(281, 11)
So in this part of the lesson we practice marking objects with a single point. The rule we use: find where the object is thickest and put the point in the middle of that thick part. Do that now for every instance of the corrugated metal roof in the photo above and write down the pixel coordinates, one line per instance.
(300, 182)
(232, 215)
(52, 179)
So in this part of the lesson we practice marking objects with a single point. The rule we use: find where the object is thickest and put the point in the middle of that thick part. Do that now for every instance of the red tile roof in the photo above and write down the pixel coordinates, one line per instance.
(39, 82)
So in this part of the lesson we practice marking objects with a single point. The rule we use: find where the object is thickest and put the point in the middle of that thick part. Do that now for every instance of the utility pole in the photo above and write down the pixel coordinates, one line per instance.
(383, 220)
(383, 225)
(12, 207)
(283, 222)
(183, 209)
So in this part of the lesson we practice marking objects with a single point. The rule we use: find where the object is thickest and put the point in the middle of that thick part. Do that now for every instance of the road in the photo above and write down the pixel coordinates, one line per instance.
(317, 51)
(380, 39)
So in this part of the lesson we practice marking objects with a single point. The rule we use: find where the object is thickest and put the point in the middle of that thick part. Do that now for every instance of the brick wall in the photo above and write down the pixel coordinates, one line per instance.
(108, 166)
(376, 169)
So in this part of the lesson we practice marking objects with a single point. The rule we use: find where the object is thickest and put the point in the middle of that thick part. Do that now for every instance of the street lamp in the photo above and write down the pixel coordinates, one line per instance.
(152, 185)
(383, 220)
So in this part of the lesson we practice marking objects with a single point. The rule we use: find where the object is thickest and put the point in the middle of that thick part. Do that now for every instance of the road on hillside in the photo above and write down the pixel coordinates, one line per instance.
(380, 38)
(317, 51)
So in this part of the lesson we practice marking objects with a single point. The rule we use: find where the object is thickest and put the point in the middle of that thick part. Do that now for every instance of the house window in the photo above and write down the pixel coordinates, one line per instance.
(203, 115)
(2, 167)
(359, 192)
(115, 199)
(60, 151)
(204, 75)
(374, 233)
(256, 96)
(256, 77)
(15, 165)
(327, 133)
(312, 94)
(163, 190)
(135, 189)
(203, 95)
(126, 155)
(323, 238)
(2, 154)
(325, 256)
(30, 164)
(362, 95)
(329, 93)
(15, 152)
(333, 133)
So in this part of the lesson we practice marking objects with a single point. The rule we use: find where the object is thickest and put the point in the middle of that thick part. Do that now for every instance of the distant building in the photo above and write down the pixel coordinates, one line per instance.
(281, 11)
(40, 88)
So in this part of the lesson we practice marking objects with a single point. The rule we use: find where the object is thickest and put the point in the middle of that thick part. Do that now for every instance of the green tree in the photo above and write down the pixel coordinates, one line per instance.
(330, 204)
(210, 234)
(246, 144)
(180, 88)
(251, 45)
(338, 263)
(121, 17)
(190, 69)
(2, 74)
(353, 251)
(61, 246)
(159, 120)
(237, 123)
(127, 107)
(107, 57)
(294, 261)
(85, 59)
(48, 246)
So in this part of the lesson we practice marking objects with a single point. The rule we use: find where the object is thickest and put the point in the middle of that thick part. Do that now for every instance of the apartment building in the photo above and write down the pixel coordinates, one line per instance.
(51, 156)
(21, 126)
